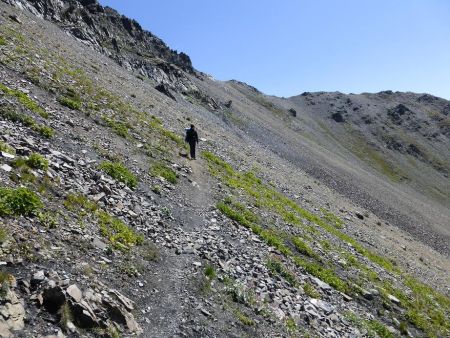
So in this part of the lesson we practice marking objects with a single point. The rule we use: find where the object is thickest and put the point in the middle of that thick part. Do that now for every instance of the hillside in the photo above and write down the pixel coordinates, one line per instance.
(320, 215)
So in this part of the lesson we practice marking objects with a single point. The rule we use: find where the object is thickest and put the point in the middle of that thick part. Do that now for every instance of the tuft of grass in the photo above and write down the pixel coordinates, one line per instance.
(48, 219)
(303, 248)
(79, 202)
(210, 272)
(25, 100)
(7, 148)
(119, 172)
(243, 318)
(332, 219)
(20, 201)
(119, 128)
(159, 169)
(373, 327)
(70, 102)
(117, 232)
(3, 235)
(44, 131)
(37, 161)
(10, 114)
(66, 315)
(276, 267)
(326, 275)
(71, 99)
(2, 41)
(311, 291)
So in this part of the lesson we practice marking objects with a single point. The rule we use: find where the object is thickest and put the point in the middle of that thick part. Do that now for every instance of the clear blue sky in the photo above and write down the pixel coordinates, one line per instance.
(286, 47)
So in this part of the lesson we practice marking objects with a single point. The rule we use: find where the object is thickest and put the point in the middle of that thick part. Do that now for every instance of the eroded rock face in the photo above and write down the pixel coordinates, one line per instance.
(12, 313)
(108, 32)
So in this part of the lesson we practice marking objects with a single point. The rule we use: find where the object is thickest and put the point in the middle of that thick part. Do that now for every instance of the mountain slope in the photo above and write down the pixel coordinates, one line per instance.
(281, 229)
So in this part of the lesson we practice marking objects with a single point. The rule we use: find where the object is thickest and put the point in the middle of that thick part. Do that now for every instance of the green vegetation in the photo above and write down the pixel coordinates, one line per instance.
(66, 315)
(48, 219)
(7, 148)
(25, 100)
(3, 234)
(290, 325)
(373, 327)
(119, 172)
(159, 169)
(119, 128)
(44, 131)
(70, 102)
(10, 114)
(332, 219)
(117, 232)
(78, 202)
(37, 161)
(2, 41)
(210, 272)
(276, 267)
(20, 201)
(303, 248)
(311, 291)
(424, 307)
(243, 318)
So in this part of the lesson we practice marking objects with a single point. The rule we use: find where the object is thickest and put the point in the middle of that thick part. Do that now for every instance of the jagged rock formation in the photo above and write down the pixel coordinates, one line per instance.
(118, 37)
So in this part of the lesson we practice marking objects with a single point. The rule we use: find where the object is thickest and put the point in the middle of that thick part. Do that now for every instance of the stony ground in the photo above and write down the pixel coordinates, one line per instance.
(238, 243)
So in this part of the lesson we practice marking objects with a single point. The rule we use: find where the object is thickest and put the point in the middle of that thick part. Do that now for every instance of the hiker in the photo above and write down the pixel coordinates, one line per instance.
(192, 139)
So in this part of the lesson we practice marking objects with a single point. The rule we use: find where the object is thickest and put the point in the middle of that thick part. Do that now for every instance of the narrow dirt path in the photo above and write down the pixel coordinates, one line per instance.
(170, 289)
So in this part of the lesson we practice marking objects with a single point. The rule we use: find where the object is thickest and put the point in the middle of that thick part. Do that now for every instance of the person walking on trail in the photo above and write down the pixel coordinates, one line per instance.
(192, 139)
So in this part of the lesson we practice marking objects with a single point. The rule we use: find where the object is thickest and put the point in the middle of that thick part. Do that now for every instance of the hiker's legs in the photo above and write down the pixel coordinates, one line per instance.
(192, 146)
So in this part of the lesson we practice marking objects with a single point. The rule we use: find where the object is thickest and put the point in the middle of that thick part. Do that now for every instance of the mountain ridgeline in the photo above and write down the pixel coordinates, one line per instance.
(319, 215)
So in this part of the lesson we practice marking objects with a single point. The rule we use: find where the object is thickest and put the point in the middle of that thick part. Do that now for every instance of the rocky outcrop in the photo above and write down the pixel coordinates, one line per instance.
(120, 38)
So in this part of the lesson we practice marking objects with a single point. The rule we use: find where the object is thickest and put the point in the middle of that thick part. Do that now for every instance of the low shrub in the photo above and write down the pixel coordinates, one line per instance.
(20, 201)
(37, 161)
(160, 169)
(119, 172)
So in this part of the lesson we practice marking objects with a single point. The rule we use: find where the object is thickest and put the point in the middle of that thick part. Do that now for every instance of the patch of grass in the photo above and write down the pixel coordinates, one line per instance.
(48, 219)
(25, 100)
(374, 328)
(210, 272)
(10, 114)
(37, 161)
(44, 131)
(276, 267)
(2, 41)
(6, 148)
(332, 219)
(119, 172)
(311, 291)
(79, 202)
(117, 232)
(66, 315)
(20, 201)
(159, 169)
(303, 248)
(427, 309)
(3, 235)
(119, 128)
(70, 102)
(326, 275)
(243, 318)
(290, 325)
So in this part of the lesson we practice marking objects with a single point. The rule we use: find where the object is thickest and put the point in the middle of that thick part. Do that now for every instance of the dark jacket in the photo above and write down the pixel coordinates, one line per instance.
(191, 136)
